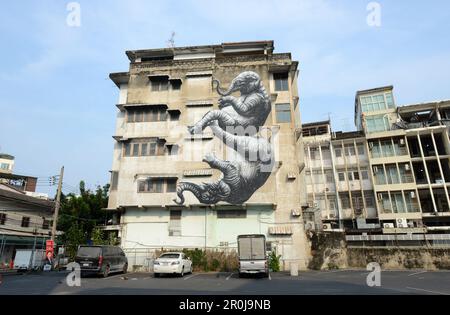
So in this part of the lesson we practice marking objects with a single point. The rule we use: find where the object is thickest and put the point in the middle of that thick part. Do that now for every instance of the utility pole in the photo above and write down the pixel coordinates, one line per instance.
(58, 201)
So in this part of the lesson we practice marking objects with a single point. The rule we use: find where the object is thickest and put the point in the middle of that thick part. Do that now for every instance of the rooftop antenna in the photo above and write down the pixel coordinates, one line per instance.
(171, 41)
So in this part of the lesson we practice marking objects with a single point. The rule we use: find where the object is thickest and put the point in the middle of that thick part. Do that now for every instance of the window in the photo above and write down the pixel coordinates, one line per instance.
(377, 123)
(149, 114)
(25, 222)
(2, 218)
(231, 214)
(355, 175)
(171, 185)
(378, 173)
(150, 147)
(46, 224)
(350, 150)
(364, 174)
(360, 148)
(341, 177)
(369, 199)
(4, 166)
(314, 153)
(160, 83)
(392, 174)
(127, 151)
(338, 152)
(329, 176)
(398, 204)
(345, 200)
(157, 185)
(135, 149)
(283, 112)
(372, 103)
(390, 100)
(175, 84)
(175, 223)
(281, 81)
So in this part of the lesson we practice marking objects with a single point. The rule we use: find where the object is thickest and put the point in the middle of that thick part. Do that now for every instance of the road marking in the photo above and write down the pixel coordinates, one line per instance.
(417, 273)
(434, 292)
(270, 278)
(191, 276)
(228, 278)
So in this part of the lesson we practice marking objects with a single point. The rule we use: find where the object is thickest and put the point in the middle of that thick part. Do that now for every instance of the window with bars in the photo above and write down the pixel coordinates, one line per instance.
(2, 218)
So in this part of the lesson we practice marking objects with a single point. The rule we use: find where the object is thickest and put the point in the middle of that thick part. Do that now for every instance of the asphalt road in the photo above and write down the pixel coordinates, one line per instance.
(311, 282)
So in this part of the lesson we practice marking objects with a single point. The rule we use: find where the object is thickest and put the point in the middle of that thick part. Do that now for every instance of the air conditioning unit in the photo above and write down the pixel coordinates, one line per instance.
(295, 212)
(358, 211)
(402, 223)
(402, 142)
(412, 194)
(388, 225)
(310, 226)
(326, 226)
(315, 204)
(225, 244)
(407, 167)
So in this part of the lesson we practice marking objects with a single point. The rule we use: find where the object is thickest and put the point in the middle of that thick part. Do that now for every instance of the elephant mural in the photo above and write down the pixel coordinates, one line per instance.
(241, 177)
(250, 109)
(253, 163)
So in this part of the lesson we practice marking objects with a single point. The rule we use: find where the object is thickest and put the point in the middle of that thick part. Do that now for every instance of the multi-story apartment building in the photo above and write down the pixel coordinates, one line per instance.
(168, 189)
(389, 177)
(338, 177)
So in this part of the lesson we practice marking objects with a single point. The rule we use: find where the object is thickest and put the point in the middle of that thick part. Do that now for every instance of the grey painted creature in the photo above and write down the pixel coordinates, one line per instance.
(249, 110)
(241, 177)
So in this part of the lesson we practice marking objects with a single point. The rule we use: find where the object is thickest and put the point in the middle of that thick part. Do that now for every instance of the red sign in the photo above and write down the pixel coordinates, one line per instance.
(49, 248)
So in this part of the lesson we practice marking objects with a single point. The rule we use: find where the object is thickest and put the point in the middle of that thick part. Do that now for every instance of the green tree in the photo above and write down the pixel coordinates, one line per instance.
(80, 214)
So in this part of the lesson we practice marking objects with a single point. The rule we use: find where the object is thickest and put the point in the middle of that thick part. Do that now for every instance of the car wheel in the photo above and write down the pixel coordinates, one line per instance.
(156, 275)
(106, 272)
(125, 268)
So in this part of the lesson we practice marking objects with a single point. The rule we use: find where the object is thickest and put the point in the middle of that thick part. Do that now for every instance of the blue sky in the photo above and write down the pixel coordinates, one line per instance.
(57, 103)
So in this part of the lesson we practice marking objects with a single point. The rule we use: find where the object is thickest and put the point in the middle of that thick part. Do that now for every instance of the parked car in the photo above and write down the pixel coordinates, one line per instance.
(172, 263)
(252, 255)
(101, 260)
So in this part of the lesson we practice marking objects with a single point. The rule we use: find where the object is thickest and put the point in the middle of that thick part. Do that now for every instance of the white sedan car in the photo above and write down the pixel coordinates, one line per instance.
(172, 263)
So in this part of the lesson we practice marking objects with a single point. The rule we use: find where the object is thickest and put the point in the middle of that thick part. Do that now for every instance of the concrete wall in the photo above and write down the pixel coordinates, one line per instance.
(330, 251)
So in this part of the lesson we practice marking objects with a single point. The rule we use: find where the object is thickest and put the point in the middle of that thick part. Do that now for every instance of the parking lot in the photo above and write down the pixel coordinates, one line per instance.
(311, 282)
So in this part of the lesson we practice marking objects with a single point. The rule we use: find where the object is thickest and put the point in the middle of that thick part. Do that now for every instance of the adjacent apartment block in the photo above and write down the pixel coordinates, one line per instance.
(390, 178)
(179, 178)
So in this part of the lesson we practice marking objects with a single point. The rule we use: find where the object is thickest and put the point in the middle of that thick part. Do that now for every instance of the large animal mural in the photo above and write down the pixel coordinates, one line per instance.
(252, 164)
